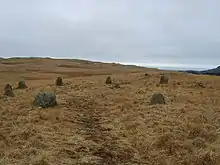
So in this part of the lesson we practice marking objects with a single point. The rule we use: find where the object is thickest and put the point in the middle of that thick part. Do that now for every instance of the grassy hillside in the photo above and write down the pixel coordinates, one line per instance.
(95, 123)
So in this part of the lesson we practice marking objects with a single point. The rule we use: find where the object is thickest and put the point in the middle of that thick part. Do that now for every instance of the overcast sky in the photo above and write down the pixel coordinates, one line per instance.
(164, 32)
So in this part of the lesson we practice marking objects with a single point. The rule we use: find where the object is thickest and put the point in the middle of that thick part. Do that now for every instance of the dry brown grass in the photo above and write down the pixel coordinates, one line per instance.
(96, 124)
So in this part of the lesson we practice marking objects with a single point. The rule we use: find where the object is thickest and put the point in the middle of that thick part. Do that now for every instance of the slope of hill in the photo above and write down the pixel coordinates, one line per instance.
(215, 71)
(95, 123)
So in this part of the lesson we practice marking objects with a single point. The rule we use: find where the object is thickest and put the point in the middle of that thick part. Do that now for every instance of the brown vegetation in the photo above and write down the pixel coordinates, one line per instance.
(97, 125)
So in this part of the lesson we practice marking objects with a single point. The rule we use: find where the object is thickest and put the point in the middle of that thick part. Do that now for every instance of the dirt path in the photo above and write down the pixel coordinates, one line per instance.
(106, 148)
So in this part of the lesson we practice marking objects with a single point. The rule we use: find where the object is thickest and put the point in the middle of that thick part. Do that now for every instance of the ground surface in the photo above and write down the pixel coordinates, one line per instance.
(98, 124)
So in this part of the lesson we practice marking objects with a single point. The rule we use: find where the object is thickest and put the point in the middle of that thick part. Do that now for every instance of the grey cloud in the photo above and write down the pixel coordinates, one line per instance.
(169, 31)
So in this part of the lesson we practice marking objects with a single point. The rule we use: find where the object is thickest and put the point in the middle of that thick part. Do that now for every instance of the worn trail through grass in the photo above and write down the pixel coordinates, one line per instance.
(105, 147)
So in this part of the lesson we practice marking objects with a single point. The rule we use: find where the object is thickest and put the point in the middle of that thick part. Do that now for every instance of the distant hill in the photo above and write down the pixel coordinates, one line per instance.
(215, 71)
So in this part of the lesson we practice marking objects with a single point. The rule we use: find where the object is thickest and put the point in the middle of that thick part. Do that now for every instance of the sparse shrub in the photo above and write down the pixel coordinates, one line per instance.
(195, 130)
(59, 81)
(206, 157)
(199, 142)
(164, 79)
(164, 139)
(188, 145)
(198, 130)
(22, 85)
(40, 159)
(8, 90)
(176, 83)
(115, 86)
(199, 84)
(157, 98)
(45, 100)
(108, 80)
(167, 142)
(167, 161)
(123, 82)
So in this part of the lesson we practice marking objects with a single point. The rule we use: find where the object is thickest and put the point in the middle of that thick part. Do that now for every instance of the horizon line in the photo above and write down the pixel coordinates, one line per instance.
(168, 66)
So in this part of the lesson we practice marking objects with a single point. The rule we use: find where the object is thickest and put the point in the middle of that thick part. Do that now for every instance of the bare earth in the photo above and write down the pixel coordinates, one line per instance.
(97, 124)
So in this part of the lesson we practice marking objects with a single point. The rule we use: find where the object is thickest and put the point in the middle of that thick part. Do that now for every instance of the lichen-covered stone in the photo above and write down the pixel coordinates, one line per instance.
(45, 100)
(22, 85)
(157, 98)
(8, 90)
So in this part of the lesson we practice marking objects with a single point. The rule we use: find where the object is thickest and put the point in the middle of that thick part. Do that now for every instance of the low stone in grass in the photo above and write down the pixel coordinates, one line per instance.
(45, 100)
(157, 98)
(22, 85)
(164, 79)
(8, 90)
(59, 81)
(108, 80)
(146, 74)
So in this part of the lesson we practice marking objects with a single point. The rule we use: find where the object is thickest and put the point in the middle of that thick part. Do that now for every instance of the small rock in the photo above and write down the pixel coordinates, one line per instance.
(22, 85)
(45, 100)
(8, 90)
(157, 98)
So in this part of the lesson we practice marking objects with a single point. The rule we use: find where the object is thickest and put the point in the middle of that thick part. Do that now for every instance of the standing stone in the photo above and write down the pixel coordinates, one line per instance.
(8, 90)
(157, 98)
(164, 79)
(45, 100)
(108, 80)
(59, 81)
(22, 85)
